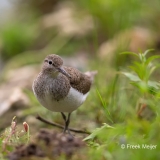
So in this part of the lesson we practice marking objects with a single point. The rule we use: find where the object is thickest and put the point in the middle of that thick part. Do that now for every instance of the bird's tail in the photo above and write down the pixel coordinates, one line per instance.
(91, 74)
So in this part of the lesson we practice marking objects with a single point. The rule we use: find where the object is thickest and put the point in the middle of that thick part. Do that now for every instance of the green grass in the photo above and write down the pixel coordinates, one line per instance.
(131, 129)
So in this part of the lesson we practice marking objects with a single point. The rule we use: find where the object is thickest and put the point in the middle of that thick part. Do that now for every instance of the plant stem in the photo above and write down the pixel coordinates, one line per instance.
(60, 126)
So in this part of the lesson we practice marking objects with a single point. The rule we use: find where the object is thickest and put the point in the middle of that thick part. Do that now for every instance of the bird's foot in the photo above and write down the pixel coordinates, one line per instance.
(67, 131)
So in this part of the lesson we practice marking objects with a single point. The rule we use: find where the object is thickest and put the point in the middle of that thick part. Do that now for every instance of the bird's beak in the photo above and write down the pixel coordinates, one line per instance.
(61, 70)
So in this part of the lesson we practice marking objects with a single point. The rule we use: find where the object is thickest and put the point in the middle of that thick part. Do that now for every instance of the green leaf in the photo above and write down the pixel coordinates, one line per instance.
(98, 131)
(104, 105)
(101, 99)
(131, 53)
(152, 87)
(141, 70)
(131, 76)
(138, 71)
(154, 84)
(151, 59)
(142, 57)
(153, 69)
(153, 91)
(147, 51)
(142, 86)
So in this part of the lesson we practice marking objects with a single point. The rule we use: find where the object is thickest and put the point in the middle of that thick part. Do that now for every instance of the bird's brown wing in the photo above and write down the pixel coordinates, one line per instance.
(79, 81)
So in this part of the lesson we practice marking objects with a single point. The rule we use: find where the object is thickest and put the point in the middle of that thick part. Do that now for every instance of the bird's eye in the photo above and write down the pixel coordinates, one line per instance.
(50, 62)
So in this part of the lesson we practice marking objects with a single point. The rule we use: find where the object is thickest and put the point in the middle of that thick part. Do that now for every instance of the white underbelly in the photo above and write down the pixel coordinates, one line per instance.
(68, 104)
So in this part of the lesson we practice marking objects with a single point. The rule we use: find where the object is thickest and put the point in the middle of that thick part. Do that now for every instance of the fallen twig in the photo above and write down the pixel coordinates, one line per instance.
(60, 126)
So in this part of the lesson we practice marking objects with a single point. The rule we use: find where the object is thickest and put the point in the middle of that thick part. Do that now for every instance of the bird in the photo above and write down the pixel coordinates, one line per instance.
(61, 88)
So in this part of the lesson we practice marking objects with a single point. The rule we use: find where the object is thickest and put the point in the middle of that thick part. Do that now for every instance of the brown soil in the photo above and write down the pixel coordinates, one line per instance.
(48, 143)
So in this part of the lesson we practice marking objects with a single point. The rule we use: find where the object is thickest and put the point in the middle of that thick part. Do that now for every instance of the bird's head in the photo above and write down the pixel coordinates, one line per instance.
(53, 64)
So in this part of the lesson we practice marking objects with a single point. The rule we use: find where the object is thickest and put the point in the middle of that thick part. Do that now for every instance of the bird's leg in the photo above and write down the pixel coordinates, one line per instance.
(67, 121)
(64, 117)
(67, 124)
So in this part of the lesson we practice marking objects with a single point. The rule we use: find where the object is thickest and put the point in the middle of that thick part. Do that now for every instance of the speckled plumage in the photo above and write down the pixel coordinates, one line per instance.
(78, 80)
(60, 88)
(44, 84)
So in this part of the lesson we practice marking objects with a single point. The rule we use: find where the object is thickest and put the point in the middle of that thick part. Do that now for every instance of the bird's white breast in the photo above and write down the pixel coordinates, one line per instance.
(70, 103)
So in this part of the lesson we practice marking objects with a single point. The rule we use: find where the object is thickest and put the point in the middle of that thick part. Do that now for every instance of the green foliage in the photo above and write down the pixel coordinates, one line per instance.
(104, 104)
(98, 131)
(117, 141)
(138, 133)
(113, 16)
(142, 72)
(16, 38)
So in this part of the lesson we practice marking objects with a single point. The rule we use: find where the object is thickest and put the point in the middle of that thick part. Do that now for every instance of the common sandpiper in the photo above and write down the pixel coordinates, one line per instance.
(60, 88)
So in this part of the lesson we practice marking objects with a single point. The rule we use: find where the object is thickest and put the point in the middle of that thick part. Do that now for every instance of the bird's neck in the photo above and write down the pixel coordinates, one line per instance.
(50, 73)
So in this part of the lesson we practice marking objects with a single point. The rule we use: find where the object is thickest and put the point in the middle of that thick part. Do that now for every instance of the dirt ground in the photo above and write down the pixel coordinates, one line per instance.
(51, 144)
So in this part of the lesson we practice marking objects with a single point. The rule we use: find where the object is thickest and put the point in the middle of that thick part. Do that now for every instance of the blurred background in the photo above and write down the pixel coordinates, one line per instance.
(89, 35)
